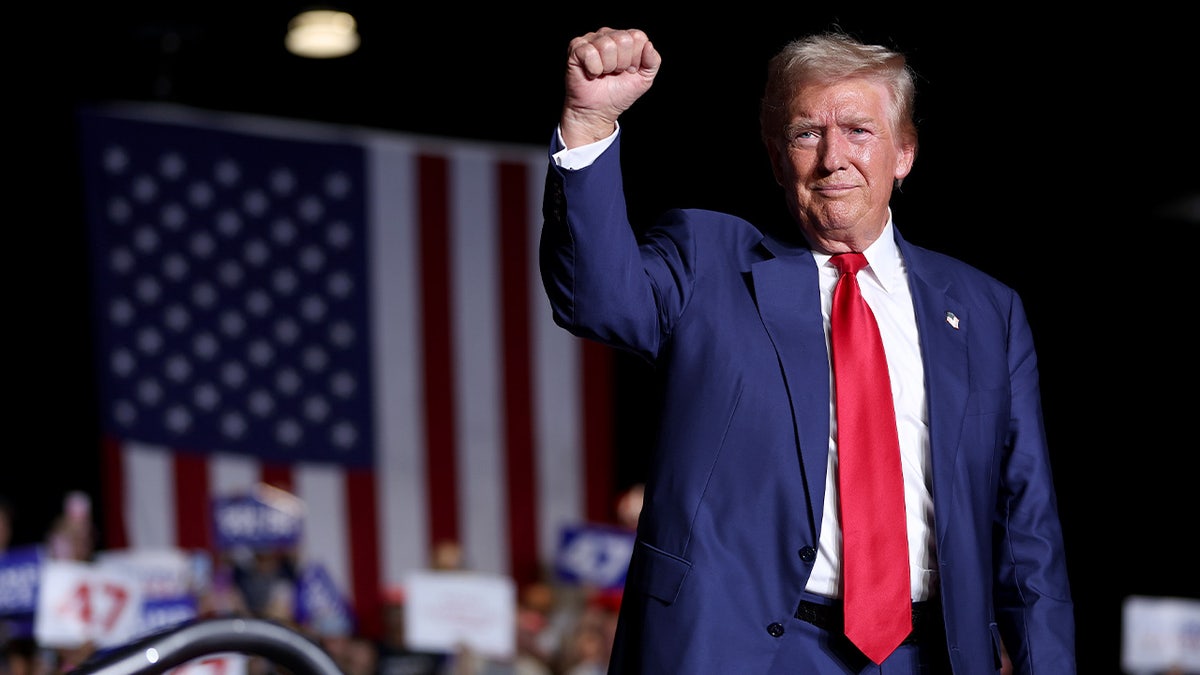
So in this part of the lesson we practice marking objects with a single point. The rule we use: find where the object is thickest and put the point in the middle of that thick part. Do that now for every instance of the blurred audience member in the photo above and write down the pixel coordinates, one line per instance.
(586, 650)
(267, 581)
(360, 657)
(535, 634)
(336, 637)
(447, 556)
(22, 656)
(394, 655)
(72, 536)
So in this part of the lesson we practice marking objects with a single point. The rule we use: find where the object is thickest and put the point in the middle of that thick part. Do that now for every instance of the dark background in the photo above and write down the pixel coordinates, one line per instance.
(1058, 153)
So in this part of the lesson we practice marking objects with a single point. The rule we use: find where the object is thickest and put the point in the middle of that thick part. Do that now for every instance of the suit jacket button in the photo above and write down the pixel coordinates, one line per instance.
(808, 554)
(775, 629)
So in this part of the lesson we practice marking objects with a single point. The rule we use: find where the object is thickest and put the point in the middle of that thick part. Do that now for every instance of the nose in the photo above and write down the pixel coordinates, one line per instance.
(833, 152)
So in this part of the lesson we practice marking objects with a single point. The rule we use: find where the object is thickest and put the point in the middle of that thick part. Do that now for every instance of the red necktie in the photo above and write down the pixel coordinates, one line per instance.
(876, 592)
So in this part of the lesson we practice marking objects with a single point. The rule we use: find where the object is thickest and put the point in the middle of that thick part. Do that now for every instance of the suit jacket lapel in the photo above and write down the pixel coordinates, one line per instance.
(786, 290)
(943, 323)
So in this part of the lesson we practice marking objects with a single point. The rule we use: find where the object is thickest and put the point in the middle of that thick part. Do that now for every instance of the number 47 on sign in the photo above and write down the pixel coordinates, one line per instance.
(80, 604)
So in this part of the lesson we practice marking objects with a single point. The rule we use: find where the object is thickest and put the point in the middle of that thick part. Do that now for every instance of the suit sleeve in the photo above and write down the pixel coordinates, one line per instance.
(1033, 599)
(604, 283)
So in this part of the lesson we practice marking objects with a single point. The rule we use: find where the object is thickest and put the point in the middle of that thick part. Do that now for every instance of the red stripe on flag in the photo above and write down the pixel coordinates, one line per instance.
(193, 516)
(513, 264)
(363, 547)
(597, 416)
(437, 349)
(114, 535)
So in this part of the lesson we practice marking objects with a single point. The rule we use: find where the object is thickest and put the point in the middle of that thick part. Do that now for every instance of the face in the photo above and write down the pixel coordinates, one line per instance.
(837, 162)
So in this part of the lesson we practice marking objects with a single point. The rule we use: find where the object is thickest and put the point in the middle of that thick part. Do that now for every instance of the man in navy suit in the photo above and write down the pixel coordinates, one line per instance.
(737, 567)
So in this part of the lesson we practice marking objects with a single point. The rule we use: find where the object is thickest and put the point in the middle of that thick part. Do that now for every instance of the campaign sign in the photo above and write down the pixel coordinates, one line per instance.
(159, 614)
(320, 605)
(166, 579)
(596, 556)
(164, 573)
(79, 603)
(1160, 635)
(268, 519)
(19, 570)
(445, 611)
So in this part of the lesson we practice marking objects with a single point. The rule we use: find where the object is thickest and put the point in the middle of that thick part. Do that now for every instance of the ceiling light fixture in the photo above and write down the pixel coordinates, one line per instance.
(322, 34)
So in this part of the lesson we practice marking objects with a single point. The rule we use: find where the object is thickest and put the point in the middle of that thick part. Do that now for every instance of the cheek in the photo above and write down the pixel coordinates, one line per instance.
(869, 156)
(798, 165)
(878, 163)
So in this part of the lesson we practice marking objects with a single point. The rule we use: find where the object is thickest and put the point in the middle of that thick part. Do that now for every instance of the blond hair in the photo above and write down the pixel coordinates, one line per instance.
(828, 57)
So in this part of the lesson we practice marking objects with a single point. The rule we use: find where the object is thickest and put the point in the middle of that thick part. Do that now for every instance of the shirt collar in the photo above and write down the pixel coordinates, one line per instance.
(883, 258)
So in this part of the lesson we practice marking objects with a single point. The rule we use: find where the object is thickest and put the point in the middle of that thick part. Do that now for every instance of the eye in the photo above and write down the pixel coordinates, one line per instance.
(801, 138)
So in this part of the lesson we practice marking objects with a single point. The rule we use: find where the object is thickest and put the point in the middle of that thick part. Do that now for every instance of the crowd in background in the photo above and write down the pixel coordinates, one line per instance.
(560, 628)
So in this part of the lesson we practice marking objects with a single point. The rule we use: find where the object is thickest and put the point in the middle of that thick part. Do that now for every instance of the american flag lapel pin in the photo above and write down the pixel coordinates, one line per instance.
(952, 320)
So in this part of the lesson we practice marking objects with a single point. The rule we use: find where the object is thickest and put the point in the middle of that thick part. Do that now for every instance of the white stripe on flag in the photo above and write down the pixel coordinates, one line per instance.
(325, 538)
(232, 475)
(475, 292)
(399, 426)
(150, 499)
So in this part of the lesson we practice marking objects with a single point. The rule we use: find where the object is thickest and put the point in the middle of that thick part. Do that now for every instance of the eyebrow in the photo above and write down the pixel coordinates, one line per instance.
(809, 123)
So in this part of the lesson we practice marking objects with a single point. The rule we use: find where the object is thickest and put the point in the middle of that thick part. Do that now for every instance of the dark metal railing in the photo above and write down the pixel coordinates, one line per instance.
(162, 651)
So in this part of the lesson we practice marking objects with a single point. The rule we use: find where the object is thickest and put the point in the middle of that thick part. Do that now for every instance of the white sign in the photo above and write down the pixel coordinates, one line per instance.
(164, 573)
(78, 603)
(1160, 634)
(450, 611)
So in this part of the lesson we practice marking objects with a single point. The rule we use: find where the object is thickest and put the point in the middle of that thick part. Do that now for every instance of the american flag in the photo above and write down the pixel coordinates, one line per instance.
(351, 315)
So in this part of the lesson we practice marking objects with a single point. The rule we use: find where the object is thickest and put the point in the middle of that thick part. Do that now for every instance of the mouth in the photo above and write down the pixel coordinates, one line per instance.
(833, 189)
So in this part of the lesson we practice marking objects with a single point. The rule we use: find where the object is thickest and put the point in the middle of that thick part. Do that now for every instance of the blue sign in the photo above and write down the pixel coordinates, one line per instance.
(596, 556)
(19, 571)
(258, 523)
(320, 605)
(162, 613)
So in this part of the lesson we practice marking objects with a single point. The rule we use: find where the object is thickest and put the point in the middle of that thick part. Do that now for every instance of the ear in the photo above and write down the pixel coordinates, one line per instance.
(904, 160)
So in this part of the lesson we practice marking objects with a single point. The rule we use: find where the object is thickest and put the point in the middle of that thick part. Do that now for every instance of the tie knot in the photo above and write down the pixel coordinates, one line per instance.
(849, 263)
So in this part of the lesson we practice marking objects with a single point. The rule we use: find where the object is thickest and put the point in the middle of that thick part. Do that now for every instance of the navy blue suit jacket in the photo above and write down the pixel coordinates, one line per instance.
(731, 320)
